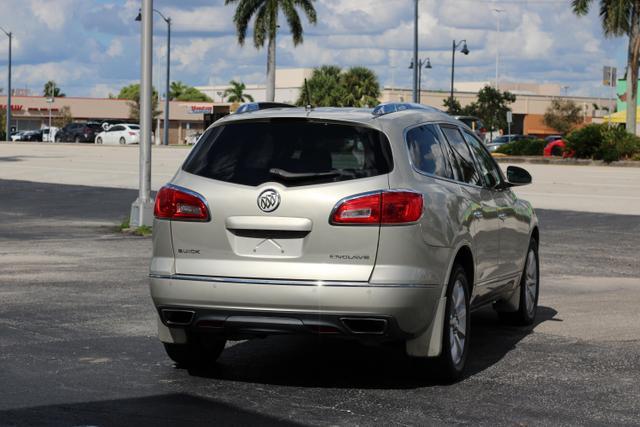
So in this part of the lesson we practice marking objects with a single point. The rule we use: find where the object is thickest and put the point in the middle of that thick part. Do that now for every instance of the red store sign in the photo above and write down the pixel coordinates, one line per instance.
(13, 107)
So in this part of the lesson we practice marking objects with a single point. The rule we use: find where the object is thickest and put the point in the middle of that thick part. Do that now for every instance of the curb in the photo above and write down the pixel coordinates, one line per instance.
(566, 162)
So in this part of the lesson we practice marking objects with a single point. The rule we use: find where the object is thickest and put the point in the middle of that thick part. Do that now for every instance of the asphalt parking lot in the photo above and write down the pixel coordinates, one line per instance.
(78, 345)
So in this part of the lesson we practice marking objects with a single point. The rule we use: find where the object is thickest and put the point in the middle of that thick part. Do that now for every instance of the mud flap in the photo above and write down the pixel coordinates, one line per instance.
(429, 343)
(171, 335)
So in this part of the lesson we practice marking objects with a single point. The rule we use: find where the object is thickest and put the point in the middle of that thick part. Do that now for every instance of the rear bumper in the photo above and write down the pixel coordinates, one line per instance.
(233, 306)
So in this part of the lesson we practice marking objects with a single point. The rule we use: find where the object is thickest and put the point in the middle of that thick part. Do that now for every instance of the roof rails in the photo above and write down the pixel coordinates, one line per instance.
(257, 106)
(394, 107)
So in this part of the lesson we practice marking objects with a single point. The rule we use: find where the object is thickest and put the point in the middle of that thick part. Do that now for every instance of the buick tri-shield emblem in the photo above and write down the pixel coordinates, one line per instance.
(269, 200)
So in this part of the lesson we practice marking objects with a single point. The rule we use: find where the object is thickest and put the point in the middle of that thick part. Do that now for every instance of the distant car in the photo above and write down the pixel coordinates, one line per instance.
(17, 136)
(193, 138)
(557, 148)
(552, 138)
(78, 132)
(475, 124)
(123, 133)
(27, 135)
(49, 134)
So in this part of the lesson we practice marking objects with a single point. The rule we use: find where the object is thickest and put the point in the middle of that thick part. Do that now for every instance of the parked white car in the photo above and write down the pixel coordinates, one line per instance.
(49, 134)
(123, 133)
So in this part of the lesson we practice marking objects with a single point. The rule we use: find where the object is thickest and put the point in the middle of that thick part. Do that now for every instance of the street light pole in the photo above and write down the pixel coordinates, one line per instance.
(427, 65)
(465, 51)
(142, 207)
(8, 124)
(165, 138)
(415, 53)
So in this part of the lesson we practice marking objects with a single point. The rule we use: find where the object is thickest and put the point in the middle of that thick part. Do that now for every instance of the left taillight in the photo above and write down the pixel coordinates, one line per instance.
(180, 205)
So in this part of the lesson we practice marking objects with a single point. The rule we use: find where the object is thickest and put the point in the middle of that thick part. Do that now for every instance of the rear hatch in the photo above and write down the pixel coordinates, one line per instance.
(271, 186)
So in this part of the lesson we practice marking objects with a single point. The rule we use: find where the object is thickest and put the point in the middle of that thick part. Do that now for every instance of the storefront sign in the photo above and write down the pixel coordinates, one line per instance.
(199, 109)
(14, 107)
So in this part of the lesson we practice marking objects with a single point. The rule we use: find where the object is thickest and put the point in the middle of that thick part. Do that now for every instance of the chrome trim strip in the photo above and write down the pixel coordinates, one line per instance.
(247, 281)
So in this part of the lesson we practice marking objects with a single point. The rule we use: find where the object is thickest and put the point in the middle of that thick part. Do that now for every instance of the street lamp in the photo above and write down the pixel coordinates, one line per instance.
(427, 65)
(415, 53)
(165, 139)
(8, 127)
(465, 51)
(142, 207)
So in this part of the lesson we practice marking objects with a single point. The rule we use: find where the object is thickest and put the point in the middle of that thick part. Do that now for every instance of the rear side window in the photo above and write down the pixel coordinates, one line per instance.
(426, 151)
(466, 167)
(292, 152)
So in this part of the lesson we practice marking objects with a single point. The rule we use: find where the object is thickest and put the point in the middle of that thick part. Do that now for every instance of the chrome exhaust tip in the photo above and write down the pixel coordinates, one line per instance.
(176, 317)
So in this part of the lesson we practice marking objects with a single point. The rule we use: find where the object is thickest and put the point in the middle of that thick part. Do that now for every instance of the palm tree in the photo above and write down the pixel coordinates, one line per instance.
(52, 90)
(324, 88)
(176, 89)
(236, 92)
(266, 25)
(362, 87)
(619, 18)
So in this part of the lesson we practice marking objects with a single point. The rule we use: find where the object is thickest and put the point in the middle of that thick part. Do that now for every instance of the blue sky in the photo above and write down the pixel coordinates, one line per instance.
(91, 47)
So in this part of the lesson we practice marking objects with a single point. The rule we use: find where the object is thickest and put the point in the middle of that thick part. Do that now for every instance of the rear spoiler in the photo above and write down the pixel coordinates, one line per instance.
(257, 106)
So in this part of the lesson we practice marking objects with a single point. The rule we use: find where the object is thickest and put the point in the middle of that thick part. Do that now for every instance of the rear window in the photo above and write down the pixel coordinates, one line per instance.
(292, 152)
(134, 127)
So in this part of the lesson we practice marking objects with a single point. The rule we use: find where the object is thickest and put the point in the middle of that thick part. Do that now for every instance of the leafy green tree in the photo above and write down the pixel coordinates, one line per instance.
(361, 86)
(491, 107)
(325, 88)
(63, 118)
(621, 18)
(453, 106)
(132, 93)
(235, 93)
(52, 89)
(265, 27)
(562, 115)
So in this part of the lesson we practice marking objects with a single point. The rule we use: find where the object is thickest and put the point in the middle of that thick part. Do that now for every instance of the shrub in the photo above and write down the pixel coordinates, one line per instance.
(585, 142)
(524, 147)
(603, 142)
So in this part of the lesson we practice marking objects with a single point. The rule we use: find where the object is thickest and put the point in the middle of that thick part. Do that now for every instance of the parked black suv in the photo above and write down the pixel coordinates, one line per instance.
(79, 132)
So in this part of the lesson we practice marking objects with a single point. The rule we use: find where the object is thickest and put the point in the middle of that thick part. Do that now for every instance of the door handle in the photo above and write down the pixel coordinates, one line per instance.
(478, 214)
(502, 215)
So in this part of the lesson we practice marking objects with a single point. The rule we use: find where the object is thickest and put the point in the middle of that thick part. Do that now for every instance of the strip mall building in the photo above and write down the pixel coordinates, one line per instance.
(185, 118)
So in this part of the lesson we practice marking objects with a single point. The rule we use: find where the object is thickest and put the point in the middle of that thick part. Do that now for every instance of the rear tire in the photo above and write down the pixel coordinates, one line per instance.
(201, 353)
(529, 291)
(99, 141)
(122, 141)
(457, 323)
(76, 139)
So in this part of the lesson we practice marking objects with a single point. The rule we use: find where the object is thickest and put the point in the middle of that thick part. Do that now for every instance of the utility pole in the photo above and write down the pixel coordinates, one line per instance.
(498, 12)
(8, 124)
(142, 207)
(165, 139)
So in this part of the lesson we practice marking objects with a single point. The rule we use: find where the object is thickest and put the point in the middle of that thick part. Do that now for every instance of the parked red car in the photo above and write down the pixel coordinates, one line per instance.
(557, 148)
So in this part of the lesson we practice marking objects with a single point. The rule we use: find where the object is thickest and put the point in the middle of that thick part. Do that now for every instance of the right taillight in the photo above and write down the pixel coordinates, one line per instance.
(180, 204)
(386, 207)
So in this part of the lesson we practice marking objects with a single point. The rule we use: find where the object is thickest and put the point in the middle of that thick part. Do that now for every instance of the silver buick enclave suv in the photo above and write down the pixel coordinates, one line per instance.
(377, 225)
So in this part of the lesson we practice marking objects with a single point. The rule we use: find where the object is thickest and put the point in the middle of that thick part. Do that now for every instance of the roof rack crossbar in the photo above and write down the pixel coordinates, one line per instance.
(250, 107)
(394, 107)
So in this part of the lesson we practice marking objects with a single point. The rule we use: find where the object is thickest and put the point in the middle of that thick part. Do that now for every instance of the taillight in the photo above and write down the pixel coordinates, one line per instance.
(180, 204)
(387, 207)
(132, 133)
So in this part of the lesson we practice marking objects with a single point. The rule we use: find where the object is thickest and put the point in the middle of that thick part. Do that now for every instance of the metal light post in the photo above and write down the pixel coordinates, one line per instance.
(142, 207)
(464, 50)
(165, 137)
(8, 127)
(415, 53)
(427, 65)
(498, 12)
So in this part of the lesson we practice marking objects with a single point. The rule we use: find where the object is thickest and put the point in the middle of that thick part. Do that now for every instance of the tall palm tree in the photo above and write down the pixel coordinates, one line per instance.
(362, 87)
(51, 89)
(236, 92)
(266, 25)
(176, 89)
(619, 18)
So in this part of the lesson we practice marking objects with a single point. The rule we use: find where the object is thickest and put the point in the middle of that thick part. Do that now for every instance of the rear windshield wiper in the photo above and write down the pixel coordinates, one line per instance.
(294, 175)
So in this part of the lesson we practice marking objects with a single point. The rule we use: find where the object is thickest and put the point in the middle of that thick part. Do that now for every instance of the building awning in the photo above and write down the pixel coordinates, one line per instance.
(620, 117)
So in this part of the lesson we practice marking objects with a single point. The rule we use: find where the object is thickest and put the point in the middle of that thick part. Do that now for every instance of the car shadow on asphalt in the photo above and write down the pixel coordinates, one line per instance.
(318, 362)
(165, 409)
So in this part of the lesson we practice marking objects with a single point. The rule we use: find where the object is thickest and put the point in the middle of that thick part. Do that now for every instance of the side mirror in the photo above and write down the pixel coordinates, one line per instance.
(517, 176)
